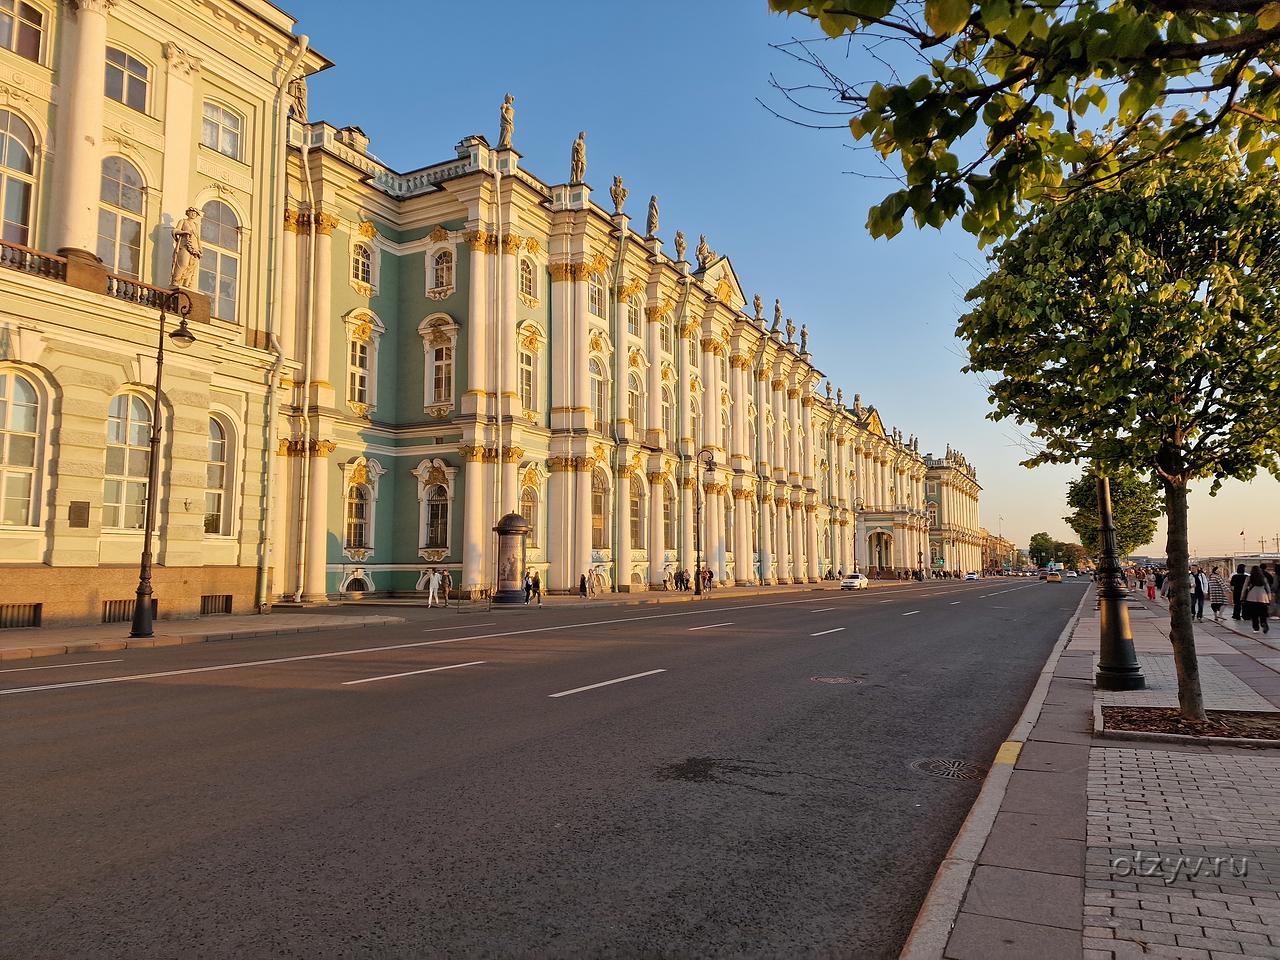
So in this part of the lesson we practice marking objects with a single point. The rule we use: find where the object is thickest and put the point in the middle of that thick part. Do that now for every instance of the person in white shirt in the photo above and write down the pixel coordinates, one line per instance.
(433, 594)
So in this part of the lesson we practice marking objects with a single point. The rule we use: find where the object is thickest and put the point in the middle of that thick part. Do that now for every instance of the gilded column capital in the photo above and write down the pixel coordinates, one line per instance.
(322, 448)
(561, 272)
(471, 453)
(512, 454)
(482, 240)
(325, 223)
(793, 393)
(688, 483)
(584, 464)
(292, 220)
(779, 384)
(806, 401)
(560, 464)
(657, 476)
(511, 243)
(740, 361)
(180, 61)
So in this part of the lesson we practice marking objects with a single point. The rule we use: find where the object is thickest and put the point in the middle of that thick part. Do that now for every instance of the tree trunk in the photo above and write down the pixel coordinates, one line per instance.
(1181, 630)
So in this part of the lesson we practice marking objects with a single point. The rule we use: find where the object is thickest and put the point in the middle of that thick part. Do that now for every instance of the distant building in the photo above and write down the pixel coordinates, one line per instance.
(951, 493)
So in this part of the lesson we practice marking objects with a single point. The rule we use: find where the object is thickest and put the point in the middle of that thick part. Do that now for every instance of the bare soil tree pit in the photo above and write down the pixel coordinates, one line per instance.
(1219, 723)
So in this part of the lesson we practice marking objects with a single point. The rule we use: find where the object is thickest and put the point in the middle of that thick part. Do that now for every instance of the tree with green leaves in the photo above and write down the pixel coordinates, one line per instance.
(1070, 555)
(1040, 548)
(1135, 508)
(1011, 96)
(1136, 326)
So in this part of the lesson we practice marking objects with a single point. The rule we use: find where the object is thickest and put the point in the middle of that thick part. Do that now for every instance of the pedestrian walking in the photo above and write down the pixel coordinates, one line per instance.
(1151, 585)
(528, 588)
(446, 586)
(433, 589)
(1257, 600)
(537, 587)
(1199, 588)
(1217, 594)
(1238, 581)
(582, 586)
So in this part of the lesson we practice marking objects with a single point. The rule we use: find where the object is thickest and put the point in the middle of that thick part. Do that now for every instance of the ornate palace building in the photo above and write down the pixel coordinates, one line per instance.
(384, 363)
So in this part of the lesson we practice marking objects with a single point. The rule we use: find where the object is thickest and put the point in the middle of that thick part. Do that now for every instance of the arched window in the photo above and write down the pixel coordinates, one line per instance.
(669, 530)
(361, 263)
(21, 28)
(599, 510)
(17, 177)
(693, 352)
(932, 511)
(220, 130)
(124, 485)
(220, 261)
(667, 334)
(725, 434)
(529, 510)
(595, 294)
(668, 416)
(751, 436)
(218, 478)
(358, 372)
(120, 217)
(635, 310)
(442, 374)
(527, 285)
(637, 514)
(599, 393)
(357, 529)
(442, 270)
(528, 380)
(437, 532)
(127, 78)
(19, 444)
(635, 402)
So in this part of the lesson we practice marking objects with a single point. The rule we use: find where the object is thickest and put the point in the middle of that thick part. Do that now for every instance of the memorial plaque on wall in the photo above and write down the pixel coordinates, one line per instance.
(78, 513)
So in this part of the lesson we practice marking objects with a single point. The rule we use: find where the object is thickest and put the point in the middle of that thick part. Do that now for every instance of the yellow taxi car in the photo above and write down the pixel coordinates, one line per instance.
(1053, 577)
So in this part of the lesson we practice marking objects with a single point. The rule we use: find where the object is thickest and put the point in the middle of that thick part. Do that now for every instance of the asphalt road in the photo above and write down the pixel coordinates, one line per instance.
(443, 788)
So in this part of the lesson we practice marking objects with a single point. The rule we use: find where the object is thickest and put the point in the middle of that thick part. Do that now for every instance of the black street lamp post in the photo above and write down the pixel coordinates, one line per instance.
(176, 301)
(710, 464)
(1118, 667)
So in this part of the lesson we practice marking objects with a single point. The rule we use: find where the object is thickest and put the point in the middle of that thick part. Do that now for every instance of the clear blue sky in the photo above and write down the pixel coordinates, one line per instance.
(667, 94)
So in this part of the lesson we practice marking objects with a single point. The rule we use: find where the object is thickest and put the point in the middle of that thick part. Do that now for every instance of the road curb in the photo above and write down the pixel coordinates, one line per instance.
(181, 639)
(932, 929)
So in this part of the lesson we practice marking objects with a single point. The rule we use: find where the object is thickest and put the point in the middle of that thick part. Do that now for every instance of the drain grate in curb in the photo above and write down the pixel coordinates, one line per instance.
(946, 768)
(836, 679)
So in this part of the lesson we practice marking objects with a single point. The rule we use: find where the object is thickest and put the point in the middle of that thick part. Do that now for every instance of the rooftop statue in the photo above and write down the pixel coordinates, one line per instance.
(651, 229)
(507, 123)
(777, 316)
(791, 330)
(759, 305)
(619, 194)
(804, 338)
(703, 253)
(578, 161)
(681, 245)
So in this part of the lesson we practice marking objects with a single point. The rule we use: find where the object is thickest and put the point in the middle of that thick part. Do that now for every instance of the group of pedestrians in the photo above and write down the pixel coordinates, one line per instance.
(1251, 594)
(439, 583)
(683, 580)
(532, 587)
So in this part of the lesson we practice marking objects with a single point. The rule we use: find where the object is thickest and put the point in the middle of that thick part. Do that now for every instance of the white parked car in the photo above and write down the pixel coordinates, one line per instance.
(855, 581)
(971, 575)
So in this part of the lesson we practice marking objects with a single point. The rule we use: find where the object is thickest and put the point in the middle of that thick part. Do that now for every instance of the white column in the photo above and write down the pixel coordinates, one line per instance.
(179, 142)
(811, 530)
(657, 548)
(288, 285)
(323, 320)
(622, 549)
(798, 574)
(560, 536)
(782, 541)
(78, 163)
(738, 417)
(473, 532)
(582, 526)
(478, 364)
(509, 402)
(317, 527)
(743, 561)
(687, 558)
(769, 572)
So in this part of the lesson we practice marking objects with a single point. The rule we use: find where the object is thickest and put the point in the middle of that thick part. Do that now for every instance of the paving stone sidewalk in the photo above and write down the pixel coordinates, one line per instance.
(1108, 849)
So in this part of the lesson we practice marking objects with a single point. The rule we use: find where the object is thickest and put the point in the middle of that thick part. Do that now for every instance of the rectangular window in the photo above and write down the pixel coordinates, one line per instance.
(220, 130)
(126, 80)
(21, 28)
(442, 375)
(528, 396)
(359, 372)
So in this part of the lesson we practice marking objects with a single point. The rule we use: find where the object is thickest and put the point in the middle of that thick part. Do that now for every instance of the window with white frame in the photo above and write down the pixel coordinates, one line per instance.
(17, 177)
(120, 217)
(358, 514)
(19, 448)
(693, 352)
(220, 260)
(124, 485)
(599, 393)
(635, 313)
(529, 510)
(21, 28)
(127, 79)
(595, 295)
(220, 130)
(442, 270)
(669, 527)
(932, 511)
(362, 264)
(218, 479)
(358, 372)
(528, 280)
(442, 374)
(435, 535)
(667, 335)
(635, 401)
(599, 510)
(668, 416)
(528, 380)
(637, 513)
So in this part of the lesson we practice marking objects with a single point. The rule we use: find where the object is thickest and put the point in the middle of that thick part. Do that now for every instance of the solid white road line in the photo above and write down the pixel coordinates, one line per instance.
(727, 623)
(911, 614)
(954, 602)
(886, 601)
(823, 633)
(606, 683)
(414, 673)
(458, 626)
(823, 609)
(61, 666)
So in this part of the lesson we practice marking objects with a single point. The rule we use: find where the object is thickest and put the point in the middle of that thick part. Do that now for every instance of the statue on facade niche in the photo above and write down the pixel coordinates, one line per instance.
(759, 305)
(578, 161)
(651, 228)
(777, 316)
(507, 122)
(791, 330)
(681, 245)
(619, 194)
(186, 250)
(804, 338)
(298, 99)
(703, 252)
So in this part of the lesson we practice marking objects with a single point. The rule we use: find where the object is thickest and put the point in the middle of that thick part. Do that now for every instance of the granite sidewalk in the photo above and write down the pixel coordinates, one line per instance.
(1109, 849)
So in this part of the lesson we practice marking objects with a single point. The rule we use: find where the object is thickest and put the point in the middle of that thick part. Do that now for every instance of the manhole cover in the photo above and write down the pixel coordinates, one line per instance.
(946, 768)
(836, 679)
